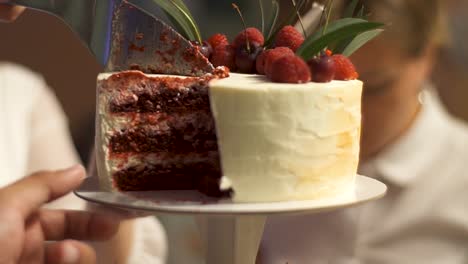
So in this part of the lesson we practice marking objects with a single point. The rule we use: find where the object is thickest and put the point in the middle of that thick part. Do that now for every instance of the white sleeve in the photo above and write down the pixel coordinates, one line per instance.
(50, 146)
(150, 244)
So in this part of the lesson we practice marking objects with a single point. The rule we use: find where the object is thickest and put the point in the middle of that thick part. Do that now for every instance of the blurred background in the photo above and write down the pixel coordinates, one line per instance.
(47, 46)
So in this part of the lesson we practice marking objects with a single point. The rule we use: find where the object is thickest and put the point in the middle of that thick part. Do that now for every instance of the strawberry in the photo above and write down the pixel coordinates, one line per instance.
(217, 40)
(345, 69)
(224, 55)
(253, 34)
(275, 54)
(289, 37)
(290, 69)
(260, 63)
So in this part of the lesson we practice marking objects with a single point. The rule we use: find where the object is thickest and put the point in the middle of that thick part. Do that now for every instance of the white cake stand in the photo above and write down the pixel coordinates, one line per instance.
(231, 232)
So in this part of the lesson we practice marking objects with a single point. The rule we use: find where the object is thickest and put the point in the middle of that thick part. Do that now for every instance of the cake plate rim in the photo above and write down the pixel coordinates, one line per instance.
(367, 189)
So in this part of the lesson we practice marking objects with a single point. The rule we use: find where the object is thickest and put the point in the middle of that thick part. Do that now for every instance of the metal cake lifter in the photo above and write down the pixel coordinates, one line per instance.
(123, 36)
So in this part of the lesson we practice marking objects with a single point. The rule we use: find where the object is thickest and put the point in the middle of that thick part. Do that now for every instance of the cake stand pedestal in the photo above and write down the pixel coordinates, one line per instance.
(231, 232)
(231, 239)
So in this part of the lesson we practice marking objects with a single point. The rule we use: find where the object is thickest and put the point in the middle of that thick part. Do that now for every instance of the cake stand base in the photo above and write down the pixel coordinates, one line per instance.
(231, 232)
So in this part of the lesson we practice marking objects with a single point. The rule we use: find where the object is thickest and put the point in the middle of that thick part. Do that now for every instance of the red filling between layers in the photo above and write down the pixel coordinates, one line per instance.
(164, 101)
(150, 141)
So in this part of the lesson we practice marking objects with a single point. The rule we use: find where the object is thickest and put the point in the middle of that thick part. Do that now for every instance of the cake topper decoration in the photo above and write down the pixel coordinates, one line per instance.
(325, 50)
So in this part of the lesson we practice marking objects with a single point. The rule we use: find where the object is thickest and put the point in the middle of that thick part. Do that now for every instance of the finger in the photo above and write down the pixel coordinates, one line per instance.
(9, 13)
(59, 225)
(30, 193)
(33, 247)
(69, 252)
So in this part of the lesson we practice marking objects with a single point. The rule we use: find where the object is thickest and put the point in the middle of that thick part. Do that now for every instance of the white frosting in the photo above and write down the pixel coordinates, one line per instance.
(286, 141)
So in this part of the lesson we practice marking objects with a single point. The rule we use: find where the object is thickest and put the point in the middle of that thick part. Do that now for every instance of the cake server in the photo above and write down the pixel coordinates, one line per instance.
(122, 35)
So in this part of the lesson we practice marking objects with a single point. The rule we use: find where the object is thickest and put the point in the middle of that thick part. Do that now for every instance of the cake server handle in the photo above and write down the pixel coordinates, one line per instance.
(125, 35)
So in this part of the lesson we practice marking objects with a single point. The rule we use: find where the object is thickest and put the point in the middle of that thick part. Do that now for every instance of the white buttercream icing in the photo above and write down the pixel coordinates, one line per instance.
(286, 141)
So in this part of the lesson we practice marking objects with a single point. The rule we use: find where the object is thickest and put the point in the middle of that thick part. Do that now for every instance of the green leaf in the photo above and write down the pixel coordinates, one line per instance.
(273, 20)
(183, 9)
(337, 30)
(342, 45)
(262, 12)
(180, 16)
(182, 5)
(350, 9)
(177, 26)
(360, 40)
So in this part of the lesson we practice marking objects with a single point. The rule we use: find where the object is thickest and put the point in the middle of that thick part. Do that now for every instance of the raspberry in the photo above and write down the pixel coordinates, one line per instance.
(224, 55)
(290, 69)
(275, 54)
(253, 34)
(217, 40)
(328, 52)
(289, 37)
(345, 69)
(260, 63)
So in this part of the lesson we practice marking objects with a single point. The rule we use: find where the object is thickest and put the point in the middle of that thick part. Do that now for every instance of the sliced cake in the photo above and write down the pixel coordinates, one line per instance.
(156, 132)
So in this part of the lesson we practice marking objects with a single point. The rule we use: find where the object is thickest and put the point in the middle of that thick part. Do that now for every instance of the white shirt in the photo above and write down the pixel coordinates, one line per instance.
(34, 136)
(423, 218)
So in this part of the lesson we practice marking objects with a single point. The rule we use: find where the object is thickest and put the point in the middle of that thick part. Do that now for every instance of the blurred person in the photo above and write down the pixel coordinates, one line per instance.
(452, 64)
(34, 137)
(409, 142)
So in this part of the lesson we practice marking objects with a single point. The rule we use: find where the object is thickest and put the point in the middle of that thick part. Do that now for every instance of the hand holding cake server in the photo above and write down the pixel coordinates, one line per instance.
(24, 227)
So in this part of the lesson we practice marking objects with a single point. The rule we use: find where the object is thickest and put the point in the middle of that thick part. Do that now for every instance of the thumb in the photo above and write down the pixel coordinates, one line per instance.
(30, 193)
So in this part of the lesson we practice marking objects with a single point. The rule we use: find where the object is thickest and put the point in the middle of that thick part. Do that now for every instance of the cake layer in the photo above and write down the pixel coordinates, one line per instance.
(156, 132)
(144, 133)
(148, 141)
(167, 171)
(286, 141)
(135, 92)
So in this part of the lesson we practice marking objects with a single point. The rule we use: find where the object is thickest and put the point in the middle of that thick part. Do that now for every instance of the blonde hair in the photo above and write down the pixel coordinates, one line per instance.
(412, 24)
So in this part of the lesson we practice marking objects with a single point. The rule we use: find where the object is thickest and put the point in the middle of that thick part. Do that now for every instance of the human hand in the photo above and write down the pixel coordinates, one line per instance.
(24, 227)
(9, 13)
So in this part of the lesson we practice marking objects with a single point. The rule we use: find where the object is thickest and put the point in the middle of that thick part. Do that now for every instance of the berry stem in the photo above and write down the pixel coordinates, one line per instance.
(330, 8)
(262, 11)
(245, 26)
(299, 17)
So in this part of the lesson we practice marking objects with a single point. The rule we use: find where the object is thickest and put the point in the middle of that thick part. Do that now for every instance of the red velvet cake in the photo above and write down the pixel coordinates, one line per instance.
(156, 132)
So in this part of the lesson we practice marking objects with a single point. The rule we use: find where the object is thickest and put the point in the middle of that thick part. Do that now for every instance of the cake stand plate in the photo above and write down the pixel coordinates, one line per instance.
(230, 231)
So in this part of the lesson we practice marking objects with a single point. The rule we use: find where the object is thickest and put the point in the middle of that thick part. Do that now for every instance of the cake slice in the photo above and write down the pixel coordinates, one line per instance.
(156, 132)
